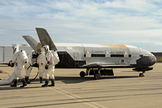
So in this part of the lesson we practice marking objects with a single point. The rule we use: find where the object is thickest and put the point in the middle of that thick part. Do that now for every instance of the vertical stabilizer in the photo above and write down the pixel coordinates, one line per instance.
(45, 39)
(31, 41)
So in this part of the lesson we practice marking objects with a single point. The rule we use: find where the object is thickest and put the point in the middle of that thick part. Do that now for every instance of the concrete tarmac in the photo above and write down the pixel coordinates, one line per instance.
(123, 90)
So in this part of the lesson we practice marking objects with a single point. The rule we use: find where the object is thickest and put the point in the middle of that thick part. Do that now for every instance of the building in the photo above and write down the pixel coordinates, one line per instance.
(6, 52)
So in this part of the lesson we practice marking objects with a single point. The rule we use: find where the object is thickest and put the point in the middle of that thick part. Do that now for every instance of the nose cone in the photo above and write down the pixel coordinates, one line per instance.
(146, 60)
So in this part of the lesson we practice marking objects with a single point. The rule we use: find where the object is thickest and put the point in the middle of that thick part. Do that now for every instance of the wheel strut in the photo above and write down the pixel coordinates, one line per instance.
(82, 74)
(142, 74)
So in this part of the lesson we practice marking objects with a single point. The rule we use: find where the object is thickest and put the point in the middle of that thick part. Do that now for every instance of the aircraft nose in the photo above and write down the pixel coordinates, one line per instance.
(147, 60)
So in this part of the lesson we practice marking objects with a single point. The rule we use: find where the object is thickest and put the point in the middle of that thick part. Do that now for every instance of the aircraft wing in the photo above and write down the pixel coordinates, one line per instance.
(45, 39)
(31, 41)
(102, 65)
(90, 65)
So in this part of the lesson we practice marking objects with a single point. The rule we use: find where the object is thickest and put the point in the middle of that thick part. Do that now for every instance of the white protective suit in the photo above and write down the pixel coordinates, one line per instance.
(49, 72)
(10, 79)
(50, 63)
(19, 59)
(28, 66)
(41, 61)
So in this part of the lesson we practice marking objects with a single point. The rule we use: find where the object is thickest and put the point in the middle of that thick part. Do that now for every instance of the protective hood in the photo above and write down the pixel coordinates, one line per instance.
(15, 48)
(46, 47)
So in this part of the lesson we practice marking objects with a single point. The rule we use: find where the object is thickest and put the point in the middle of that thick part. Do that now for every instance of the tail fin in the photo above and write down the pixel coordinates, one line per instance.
(45, 39)
(32, 42)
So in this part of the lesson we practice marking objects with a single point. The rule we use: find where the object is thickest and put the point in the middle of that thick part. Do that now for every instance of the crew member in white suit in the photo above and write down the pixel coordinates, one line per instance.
(19, 59)
(28, 66)
(41, 61)
(49, 72)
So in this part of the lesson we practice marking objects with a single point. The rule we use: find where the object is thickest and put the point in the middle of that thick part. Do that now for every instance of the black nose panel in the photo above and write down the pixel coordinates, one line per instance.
(146, 61)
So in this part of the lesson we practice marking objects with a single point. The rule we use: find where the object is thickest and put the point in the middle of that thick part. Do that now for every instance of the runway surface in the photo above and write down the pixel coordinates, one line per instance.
(124, 90)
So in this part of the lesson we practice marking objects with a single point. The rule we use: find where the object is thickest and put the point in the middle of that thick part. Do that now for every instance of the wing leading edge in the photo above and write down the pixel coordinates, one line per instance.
(31, 41)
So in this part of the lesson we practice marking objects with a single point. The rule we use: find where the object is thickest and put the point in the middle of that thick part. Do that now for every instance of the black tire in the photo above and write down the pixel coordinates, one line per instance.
(82, 74)
(97, 76)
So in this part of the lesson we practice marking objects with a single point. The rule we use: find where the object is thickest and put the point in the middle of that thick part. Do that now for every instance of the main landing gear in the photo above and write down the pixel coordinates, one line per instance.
(97, 76)
(97, 72)
(82, 74)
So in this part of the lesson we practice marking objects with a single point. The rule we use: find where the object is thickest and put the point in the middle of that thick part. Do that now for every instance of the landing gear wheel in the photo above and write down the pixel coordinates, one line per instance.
(97, 76)
(82, 74)
(141, 75)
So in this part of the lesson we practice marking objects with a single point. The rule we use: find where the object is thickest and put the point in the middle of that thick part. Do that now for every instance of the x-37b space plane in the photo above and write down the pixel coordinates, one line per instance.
(98, 59)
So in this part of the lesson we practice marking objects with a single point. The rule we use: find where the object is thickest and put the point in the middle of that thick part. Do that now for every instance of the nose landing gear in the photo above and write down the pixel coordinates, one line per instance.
(142, 74)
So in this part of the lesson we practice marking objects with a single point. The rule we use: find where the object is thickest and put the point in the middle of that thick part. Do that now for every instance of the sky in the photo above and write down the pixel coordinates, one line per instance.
(130, 22)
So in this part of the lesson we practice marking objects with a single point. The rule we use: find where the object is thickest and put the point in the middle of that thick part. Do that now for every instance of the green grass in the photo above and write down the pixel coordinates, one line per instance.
(159, 59)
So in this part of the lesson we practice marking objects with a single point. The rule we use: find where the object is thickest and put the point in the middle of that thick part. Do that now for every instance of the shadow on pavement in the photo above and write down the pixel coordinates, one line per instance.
(64, 79)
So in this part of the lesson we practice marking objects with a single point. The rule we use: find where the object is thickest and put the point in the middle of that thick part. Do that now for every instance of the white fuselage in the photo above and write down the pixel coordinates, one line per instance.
(108, 55)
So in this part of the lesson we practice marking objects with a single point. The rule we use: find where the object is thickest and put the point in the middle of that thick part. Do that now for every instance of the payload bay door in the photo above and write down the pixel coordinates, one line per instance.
(1, 54)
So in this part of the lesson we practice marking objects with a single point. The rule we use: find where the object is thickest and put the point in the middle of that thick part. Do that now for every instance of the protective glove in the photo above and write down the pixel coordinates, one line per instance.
(46, 67)
(12, 65)
(9, 64)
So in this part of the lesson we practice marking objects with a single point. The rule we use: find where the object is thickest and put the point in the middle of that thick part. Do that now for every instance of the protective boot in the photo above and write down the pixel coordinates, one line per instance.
(52, 82)
(46, 83)
(14, 83)
(41, 79)
(27, 80)
(24, 83)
